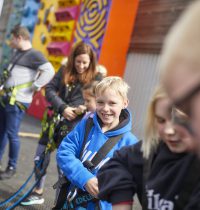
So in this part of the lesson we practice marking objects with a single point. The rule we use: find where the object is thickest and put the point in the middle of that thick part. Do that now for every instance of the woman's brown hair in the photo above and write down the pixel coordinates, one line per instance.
(70, 74)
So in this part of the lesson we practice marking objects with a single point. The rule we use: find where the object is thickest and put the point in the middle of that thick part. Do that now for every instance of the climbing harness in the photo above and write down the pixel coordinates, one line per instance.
(11, 92)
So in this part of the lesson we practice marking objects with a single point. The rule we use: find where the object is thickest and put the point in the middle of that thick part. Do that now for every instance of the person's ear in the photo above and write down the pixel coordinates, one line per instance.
(126, 102)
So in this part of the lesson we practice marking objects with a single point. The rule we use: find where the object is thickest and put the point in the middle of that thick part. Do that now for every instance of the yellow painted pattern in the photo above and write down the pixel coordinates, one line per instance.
(92, 22)
(95, 25)
(68, 3)
(49, 30)
(41, 32)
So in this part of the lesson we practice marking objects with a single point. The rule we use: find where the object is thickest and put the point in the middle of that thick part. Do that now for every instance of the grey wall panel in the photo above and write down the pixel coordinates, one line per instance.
(142, 75)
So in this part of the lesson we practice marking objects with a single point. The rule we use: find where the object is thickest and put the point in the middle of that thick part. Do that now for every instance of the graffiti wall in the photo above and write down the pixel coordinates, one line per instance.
(55, 25)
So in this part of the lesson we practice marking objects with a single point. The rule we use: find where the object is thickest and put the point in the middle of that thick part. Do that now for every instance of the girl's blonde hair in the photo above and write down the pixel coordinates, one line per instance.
(182, 43)
(115, 83)
(151, 138)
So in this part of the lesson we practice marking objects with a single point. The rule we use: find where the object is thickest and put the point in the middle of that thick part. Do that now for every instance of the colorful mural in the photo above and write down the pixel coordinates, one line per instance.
(53, 34)
(92, 22)
(57, 24)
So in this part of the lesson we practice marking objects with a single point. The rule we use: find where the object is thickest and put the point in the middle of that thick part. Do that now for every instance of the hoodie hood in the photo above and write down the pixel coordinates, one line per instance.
(125, 124)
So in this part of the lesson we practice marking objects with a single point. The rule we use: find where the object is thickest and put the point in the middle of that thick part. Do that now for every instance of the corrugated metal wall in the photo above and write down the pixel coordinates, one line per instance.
(142, 75)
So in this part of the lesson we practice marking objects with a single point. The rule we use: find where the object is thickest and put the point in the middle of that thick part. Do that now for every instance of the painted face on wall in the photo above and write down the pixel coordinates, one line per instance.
(82, 63)
(109, 106)
(166, 129)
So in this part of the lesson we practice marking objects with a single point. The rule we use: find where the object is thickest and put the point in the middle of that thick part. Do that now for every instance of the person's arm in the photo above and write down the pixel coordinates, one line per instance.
(67, 157)
(122, 207)
(45, 74)
(52, 96)
(125, 168)
(44, 68)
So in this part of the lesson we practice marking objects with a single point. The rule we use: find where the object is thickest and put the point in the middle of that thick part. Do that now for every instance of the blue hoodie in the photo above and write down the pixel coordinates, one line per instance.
(71, 145)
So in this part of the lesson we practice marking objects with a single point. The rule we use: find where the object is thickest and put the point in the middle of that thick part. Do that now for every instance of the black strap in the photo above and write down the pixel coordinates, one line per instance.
(190, 182)
(88, 127)
(105, 149)
(17, 58)
(8, 70)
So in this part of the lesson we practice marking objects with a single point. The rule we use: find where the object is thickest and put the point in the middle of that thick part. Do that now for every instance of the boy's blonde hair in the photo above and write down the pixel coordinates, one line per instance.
(115, 83)
(182, 43)
(151, 138)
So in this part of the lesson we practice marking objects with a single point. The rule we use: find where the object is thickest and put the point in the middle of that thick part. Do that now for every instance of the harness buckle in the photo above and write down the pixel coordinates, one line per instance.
(71, 195)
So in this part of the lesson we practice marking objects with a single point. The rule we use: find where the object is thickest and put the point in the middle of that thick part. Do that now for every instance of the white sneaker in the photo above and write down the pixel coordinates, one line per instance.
(33, 198)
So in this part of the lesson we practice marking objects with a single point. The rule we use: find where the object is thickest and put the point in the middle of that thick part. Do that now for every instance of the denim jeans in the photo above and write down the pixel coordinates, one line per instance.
(40, 149)
(10, 120)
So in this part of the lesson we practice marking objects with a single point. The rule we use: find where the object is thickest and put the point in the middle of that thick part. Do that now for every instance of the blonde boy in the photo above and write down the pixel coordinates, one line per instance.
(110, 119)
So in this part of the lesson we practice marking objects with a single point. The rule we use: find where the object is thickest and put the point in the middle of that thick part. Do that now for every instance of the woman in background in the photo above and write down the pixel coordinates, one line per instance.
(64, 93)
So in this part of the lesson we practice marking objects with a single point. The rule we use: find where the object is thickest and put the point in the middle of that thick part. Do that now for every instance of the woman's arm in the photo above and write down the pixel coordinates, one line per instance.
(121, 177)
(51, 92)
(54, 97)
(122, 207)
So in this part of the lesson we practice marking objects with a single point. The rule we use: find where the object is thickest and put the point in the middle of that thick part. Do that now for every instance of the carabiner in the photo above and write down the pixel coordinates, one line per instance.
(71, 195)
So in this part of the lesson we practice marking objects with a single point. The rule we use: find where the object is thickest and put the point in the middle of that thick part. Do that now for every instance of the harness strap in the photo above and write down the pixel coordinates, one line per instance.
(105, 149)
(16, 89)
(7, 71)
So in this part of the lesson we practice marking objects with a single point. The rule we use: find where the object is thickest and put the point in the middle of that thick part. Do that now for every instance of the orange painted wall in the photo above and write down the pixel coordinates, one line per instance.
(117, 36)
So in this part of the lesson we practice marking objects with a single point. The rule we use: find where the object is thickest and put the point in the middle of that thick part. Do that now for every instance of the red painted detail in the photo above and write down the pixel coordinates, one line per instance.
(58, 48)
(66, 14)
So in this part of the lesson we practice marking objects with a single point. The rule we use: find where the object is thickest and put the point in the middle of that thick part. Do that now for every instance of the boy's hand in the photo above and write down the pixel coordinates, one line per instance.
(92, 187)
(69, 113)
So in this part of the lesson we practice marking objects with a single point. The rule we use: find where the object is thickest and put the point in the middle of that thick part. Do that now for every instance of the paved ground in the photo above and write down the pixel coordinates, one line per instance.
(25, 166)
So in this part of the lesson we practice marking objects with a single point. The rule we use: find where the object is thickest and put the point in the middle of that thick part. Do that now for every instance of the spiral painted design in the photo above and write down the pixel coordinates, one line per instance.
(92, 22)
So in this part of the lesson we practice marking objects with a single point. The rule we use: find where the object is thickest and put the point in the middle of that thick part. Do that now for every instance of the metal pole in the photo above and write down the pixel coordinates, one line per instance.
(1, 6)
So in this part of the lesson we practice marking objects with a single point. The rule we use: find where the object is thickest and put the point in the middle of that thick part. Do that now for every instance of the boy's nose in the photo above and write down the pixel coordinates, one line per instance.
(106, 107)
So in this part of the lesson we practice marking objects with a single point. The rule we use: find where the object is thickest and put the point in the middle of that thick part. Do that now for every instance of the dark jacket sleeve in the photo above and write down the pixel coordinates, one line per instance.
(194, 201)
(51, 93)
(121, 177)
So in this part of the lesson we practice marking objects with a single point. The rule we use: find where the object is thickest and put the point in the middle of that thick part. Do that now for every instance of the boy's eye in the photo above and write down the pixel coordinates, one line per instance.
(113, 103)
